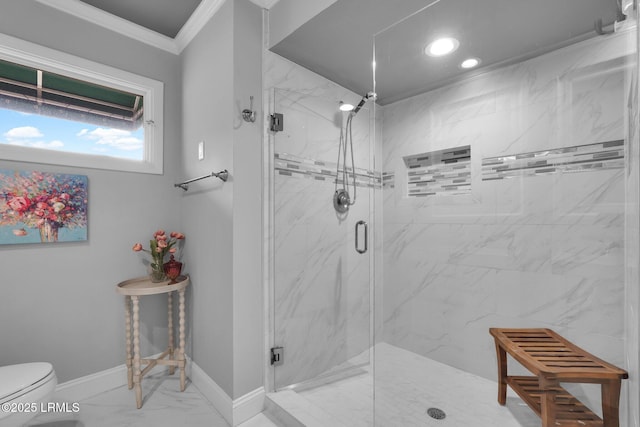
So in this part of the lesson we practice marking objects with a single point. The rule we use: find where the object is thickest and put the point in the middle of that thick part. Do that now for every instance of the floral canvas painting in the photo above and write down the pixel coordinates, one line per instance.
(42, 207)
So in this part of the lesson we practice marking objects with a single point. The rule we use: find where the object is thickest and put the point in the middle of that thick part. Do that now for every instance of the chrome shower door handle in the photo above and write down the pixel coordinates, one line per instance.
(366, 236)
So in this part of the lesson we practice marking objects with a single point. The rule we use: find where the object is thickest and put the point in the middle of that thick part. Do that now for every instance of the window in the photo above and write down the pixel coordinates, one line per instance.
(60, 109)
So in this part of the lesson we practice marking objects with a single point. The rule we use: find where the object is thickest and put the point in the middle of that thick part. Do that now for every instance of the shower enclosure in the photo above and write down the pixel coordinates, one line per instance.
(500, 196)
(322, 268)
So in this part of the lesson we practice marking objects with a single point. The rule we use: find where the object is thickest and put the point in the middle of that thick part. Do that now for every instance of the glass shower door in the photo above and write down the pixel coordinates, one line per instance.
(321, 281)
(514, 203)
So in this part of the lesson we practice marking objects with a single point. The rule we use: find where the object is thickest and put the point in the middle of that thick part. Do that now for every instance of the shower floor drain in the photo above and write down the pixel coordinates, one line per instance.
(436, 413)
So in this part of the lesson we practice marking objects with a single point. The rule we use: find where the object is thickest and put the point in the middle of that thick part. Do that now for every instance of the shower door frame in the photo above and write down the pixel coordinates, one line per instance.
(269, 250)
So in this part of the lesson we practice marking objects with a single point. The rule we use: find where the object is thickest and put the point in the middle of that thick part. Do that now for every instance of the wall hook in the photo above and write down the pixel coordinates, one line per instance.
(248, 114)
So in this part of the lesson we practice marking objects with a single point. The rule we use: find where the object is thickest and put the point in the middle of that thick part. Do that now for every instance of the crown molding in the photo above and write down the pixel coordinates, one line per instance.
(114, 23)
(203, 13)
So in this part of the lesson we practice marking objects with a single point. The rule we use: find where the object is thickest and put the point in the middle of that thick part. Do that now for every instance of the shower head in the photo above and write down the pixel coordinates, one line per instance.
(343, 106)
(368, 96)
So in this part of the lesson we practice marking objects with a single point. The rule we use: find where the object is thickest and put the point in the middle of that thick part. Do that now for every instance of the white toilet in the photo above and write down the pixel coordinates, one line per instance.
(23, 388)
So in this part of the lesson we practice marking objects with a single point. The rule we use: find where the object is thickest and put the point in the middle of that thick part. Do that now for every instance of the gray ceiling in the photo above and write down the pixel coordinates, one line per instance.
(338, 43)
(163, 16)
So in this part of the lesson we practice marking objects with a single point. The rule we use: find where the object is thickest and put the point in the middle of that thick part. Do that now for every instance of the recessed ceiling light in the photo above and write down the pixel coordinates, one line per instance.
(345, 107)
(442, 46)
(470, 63)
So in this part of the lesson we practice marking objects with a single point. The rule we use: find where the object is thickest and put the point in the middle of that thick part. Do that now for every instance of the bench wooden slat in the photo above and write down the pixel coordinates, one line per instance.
(530, 356)
(568, 407)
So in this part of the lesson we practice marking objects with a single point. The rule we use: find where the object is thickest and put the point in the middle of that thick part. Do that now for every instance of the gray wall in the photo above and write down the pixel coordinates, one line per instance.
(60, 299)
(221, 69)
(287, 15)
(207, 67)
(248, 329)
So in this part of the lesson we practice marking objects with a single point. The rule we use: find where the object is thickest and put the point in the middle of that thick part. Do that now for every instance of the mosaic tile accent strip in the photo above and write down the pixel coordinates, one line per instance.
(388, 180)
(579, 158)
(300, 167)
(439, 172)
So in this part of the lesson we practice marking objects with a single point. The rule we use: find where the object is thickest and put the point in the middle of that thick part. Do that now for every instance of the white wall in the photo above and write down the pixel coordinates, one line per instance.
(632, 256)
(60, 299)
(320, 285)
(529, 251)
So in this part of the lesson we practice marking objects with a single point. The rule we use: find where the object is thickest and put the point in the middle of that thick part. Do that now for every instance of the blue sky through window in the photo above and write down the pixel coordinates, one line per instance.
(32, 130)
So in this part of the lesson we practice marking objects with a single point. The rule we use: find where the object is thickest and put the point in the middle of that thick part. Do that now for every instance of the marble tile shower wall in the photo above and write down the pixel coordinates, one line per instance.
(321, 302)
(519, 251)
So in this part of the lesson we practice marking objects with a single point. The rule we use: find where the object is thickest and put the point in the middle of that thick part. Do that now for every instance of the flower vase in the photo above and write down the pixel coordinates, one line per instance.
(157, 271)
(49, 231)
(172, 269)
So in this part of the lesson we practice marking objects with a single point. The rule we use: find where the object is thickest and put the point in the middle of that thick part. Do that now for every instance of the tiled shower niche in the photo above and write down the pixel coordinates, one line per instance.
(439, 172)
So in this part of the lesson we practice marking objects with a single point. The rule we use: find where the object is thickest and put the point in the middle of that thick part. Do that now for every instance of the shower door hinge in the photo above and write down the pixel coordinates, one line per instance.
(277, 356)
(276, 122)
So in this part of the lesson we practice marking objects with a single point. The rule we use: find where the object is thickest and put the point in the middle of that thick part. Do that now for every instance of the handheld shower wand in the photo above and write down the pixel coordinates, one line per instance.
(368, 96)
(341, 198)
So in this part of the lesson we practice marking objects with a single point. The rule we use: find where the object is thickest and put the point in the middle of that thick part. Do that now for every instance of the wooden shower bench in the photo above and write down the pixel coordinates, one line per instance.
(553, 359)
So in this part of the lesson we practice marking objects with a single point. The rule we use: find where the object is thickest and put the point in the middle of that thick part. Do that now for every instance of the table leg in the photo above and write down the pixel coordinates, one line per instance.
(136, 351)
(172, 368)
(502, 374)
(127, 325)
(181, 355)
(548, 401)
(610, 403)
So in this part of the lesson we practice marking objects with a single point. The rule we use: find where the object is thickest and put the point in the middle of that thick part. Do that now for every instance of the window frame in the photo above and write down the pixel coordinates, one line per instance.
(36, 56)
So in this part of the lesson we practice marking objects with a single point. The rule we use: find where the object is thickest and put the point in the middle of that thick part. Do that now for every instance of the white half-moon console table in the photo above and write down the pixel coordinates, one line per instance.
(132, 290)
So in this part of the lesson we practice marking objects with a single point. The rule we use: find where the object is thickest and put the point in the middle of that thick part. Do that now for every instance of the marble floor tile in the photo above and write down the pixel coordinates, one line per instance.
(163, 405)
(405, 386)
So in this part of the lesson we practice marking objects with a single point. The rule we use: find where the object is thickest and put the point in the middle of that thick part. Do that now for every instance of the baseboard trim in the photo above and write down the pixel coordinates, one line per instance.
(90, 385)
(248, 406)
(212, 392)
(234, 411)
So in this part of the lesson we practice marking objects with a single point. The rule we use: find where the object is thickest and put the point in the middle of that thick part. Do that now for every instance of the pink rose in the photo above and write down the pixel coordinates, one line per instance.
(137, 247)
(19, 204)
(172, 250)
(179, 236)
(162, 244)
(158, 233)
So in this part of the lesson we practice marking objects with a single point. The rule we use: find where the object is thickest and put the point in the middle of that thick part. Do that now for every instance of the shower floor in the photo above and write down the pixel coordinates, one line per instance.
(406, 386)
